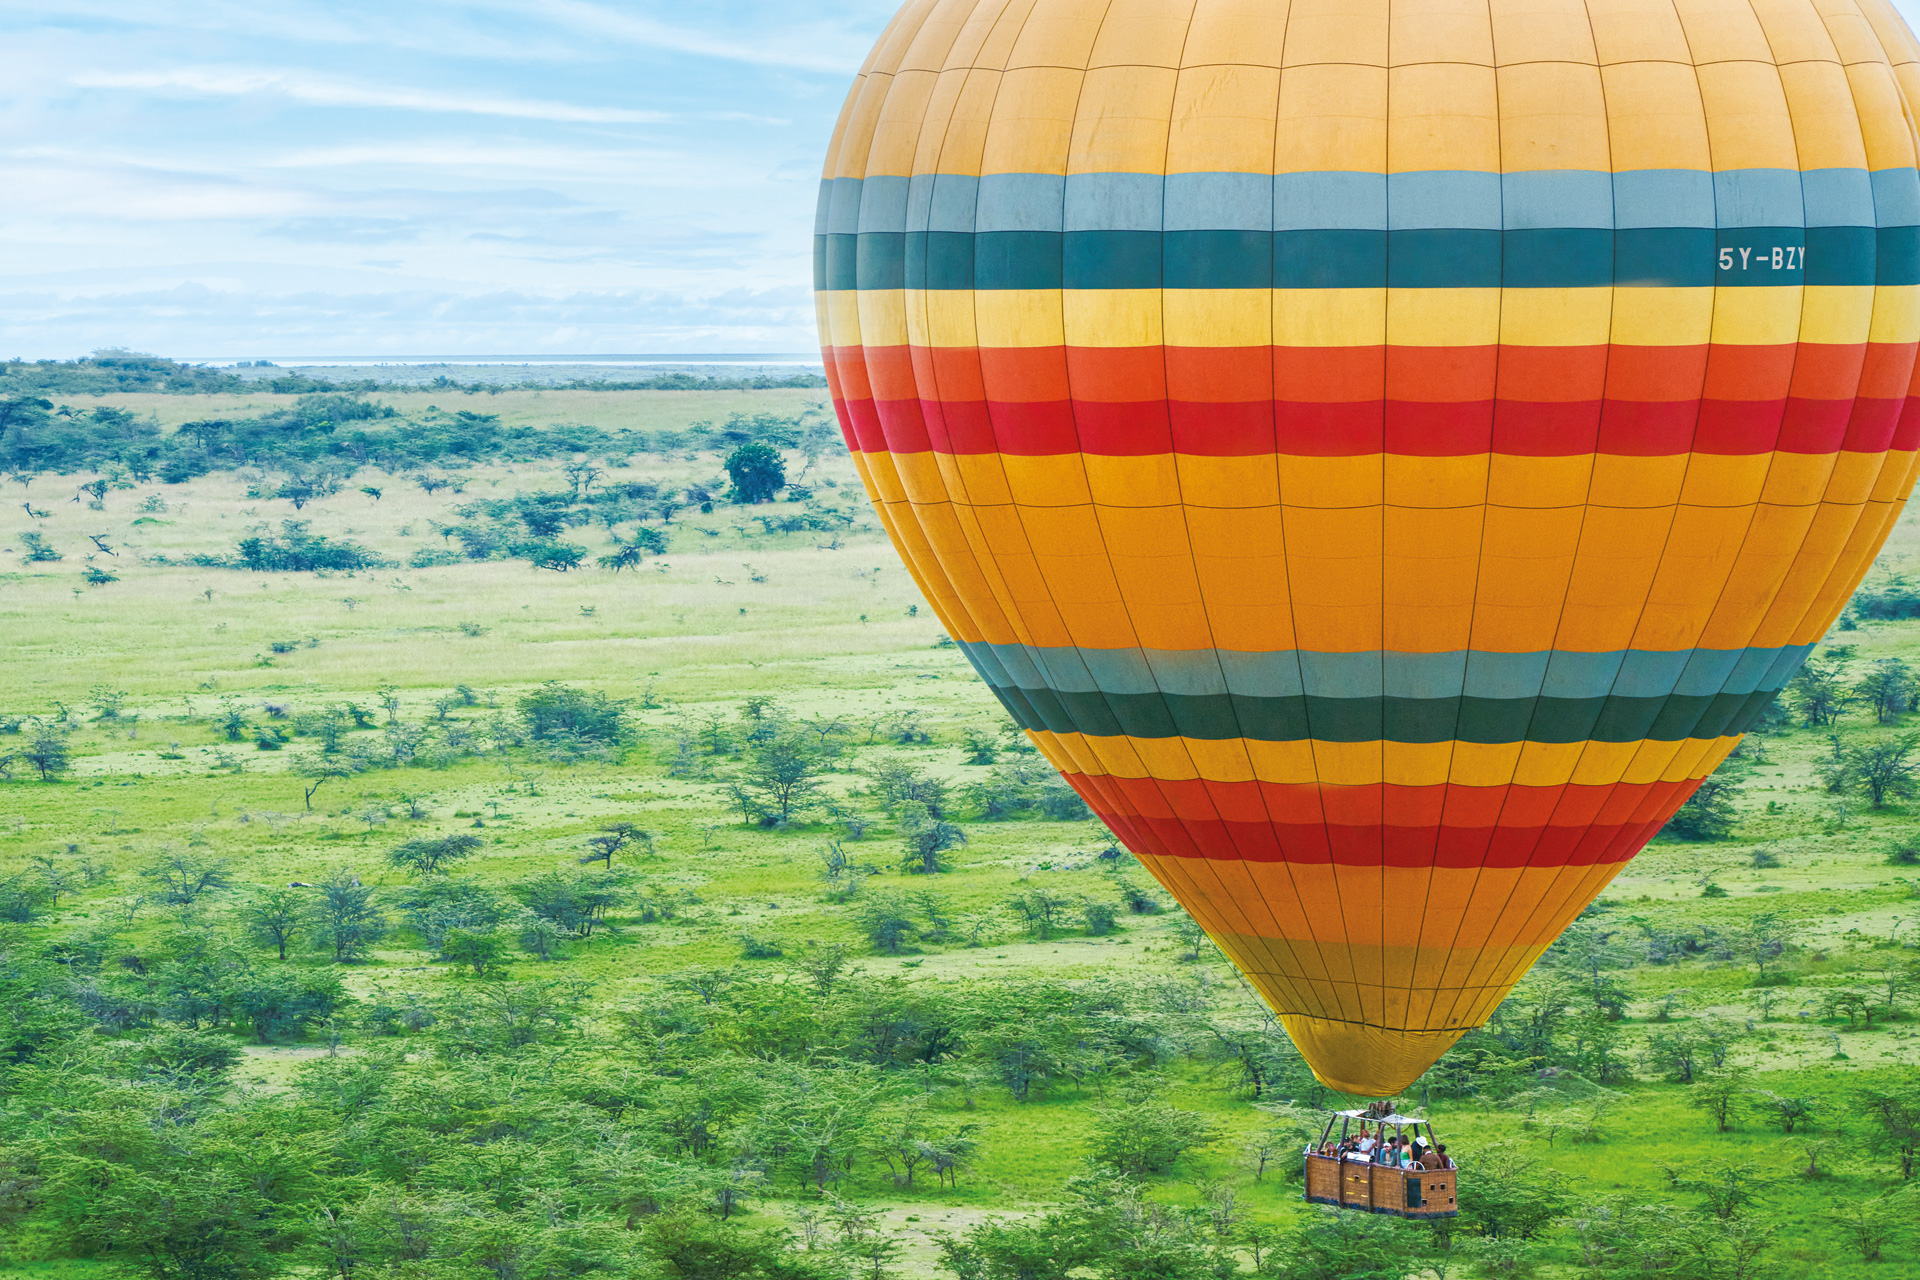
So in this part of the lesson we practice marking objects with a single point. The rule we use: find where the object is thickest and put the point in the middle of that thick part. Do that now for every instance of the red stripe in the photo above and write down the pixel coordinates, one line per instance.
(1454, 848)
(1444, 826)
(1356, 401)
(1149, 428)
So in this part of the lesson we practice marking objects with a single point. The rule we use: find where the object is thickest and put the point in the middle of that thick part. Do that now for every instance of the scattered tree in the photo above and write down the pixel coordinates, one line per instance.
(758, 473)
(427, 856)
(347, 920)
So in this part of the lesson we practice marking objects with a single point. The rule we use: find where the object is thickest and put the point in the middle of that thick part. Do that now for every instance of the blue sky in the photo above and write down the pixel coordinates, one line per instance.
(209, 178)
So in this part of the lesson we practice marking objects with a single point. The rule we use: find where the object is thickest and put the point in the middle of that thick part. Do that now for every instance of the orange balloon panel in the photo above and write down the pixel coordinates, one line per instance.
(1385, 453)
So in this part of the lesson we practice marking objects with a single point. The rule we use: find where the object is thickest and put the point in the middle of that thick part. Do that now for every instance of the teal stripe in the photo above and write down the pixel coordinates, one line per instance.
(1462, 199)
(1414, 720)
(1290, 673)
(1466, 695)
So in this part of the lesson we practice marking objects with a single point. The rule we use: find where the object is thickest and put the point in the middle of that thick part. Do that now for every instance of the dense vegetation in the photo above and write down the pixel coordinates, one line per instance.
(393, 911)
(107, 372)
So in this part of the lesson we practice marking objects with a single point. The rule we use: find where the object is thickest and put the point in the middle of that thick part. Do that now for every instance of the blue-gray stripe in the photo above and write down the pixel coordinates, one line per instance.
(1737, 198)
(1632, 673)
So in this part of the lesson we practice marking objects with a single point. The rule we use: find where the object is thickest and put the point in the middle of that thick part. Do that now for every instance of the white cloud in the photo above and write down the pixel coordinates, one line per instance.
(823, 49)
(320, 91)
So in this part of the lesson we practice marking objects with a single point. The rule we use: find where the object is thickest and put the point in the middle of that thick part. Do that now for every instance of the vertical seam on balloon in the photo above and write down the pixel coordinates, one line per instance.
(1586, 505)
(1667, 542)
(1326, 986)
(1479, 570)
(1186, 526)
(1286, 564)
(983, 552)
(1067, 377)
(982, 561)
(1309, 1008)
(934, 573)
(1094, 506)
(1841, 556)
(1679, 503)
(1762, 616)
(1773, 459)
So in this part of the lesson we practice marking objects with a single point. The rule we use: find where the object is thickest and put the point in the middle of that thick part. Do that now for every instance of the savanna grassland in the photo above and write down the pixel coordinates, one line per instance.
(460, 853)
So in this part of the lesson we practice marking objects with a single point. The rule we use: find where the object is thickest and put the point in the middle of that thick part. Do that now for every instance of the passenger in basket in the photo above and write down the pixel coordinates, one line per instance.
(1366, 1143)
(1446, 1161)
(1430, 1159)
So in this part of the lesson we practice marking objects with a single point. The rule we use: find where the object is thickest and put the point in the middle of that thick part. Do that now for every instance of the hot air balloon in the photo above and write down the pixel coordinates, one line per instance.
(1385, 452)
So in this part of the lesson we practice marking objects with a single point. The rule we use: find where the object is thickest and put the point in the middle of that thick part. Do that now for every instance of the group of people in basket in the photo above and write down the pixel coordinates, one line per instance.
(1395, 1152)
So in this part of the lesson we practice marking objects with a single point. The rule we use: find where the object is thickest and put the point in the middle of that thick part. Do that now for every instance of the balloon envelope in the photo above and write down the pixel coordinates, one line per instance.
(1384, 453)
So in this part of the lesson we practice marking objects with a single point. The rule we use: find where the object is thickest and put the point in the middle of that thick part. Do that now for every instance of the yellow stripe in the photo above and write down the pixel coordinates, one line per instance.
(1409, 764)
(1373, 480)
(1645, 317)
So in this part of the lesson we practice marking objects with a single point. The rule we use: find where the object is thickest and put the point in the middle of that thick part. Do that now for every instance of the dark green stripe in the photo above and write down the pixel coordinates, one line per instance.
(1332, 259)
(1487, 720)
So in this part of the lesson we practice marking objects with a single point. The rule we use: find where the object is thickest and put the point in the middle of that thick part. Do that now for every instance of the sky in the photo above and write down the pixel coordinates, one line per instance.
(216, 179)
(272, 178)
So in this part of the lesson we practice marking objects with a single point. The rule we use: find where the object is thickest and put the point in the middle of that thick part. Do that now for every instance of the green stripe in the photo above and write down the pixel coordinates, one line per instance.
(1297, 719)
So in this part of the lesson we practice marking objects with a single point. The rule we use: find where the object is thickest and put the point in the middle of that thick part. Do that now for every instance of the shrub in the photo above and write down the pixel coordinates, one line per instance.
(1143, 1136)
(755, 948)
(296, 551)
(555, 711)
(757, 472)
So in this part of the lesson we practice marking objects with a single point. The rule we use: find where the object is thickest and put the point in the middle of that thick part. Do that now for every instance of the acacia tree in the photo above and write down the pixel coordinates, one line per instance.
(1896, 1120)
(1721, 1096)
(347, 919)
(276, 916)
(427, 857)
(1818, 692)
(781, 780)
(928, 840)
(1881, 771)
(614, 837)
(47, 753)
(1887, 688)
(757, 471)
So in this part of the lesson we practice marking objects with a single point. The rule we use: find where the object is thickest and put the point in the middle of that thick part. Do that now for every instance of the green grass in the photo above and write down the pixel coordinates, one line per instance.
(831, 629)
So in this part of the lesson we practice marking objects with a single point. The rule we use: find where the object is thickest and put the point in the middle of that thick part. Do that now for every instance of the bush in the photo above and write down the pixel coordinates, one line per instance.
(296, 551)
(428, 856)
(757, 472)
(1143, 1136)
(753, 948)
(435, 558)
(1708, 813)
(555, 711)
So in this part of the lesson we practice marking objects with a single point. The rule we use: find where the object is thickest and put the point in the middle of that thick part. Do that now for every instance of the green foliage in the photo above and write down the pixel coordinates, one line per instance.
(1708, 813)
(1819, 692)
(1143, 1135)
(926, 840)
(577, 902)
(480, 950)
(1881, 771)
(758, 473)
(346, 920)
(781, 780)
(556, 712)
(428, 856)
(1887, 688)
(296, 550)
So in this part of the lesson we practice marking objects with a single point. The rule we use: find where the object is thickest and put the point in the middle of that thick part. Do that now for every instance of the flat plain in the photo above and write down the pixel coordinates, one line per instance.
(187, 696)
